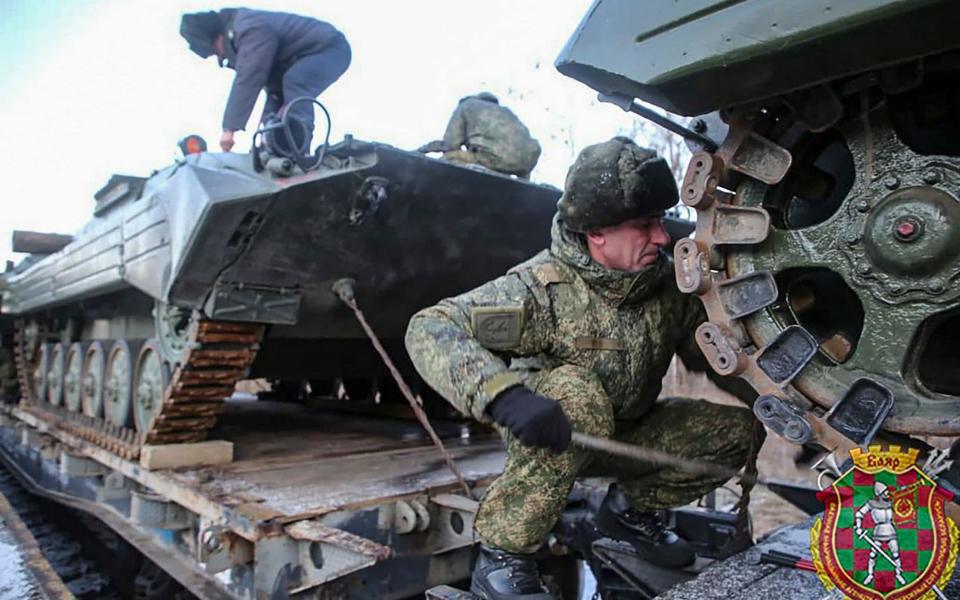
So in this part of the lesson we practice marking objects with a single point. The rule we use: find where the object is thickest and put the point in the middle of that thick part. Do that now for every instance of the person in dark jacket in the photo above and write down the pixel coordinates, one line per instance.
(286, 55)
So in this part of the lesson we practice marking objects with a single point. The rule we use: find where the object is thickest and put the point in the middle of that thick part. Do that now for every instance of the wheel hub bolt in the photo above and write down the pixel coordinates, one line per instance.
(892, 182)
(907, 228)
(931, 177)
(863, 206)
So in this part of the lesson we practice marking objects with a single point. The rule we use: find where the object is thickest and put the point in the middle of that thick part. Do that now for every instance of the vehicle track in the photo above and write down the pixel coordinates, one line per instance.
(186, 405)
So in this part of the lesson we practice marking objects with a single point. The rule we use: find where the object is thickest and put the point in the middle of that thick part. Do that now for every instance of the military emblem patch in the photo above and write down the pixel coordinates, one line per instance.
(498, 327)
(884, 534)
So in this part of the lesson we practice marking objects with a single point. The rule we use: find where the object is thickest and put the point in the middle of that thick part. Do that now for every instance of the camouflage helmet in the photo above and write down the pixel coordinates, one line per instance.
(486, 97)
(612, 182)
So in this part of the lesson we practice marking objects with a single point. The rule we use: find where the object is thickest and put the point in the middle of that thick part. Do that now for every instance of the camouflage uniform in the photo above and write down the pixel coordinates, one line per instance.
(597, 341)
(493, 136)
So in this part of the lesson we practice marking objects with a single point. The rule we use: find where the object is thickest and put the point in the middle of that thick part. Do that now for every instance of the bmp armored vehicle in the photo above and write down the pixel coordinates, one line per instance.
(220, 267)
(827, 186)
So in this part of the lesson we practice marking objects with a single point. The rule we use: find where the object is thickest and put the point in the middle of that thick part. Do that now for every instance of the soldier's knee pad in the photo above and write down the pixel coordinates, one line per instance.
(582, 397)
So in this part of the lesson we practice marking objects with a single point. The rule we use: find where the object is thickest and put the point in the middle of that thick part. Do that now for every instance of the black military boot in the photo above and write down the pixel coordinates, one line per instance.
(500, 575)
(644, 531)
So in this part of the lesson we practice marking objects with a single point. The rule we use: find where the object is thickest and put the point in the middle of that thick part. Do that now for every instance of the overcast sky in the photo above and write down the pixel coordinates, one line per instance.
(94, 87)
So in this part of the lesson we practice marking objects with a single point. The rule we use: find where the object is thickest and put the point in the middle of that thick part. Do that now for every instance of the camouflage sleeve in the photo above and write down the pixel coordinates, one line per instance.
(689, 352)
(460, 346)
(692, 315)
(456, 134)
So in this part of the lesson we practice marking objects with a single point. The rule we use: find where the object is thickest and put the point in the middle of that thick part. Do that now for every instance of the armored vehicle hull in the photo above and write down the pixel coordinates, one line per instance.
(696, 57)
(209, 272)
(832, 270)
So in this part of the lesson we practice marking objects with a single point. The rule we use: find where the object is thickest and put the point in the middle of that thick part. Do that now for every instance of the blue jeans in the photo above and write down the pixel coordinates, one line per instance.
(309, 76)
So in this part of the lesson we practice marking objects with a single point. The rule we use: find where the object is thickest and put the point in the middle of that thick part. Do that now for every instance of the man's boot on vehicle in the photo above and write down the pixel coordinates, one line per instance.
(500, 575)
(645, 531)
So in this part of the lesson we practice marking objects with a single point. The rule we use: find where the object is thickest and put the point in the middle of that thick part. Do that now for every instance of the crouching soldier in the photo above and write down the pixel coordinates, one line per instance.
(596, 320)
(483, 132)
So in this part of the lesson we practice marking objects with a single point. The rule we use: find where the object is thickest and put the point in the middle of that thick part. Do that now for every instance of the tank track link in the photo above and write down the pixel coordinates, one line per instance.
(22, 360)
(699, 263)
(219, 355)
(731, 297)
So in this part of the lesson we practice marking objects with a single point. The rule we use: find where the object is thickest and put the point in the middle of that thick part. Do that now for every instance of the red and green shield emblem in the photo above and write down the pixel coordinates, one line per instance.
(884, 534)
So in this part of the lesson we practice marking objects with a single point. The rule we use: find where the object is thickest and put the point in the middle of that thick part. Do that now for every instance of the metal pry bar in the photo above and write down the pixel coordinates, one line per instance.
(657, 457)
(344, 289)
(628, 104)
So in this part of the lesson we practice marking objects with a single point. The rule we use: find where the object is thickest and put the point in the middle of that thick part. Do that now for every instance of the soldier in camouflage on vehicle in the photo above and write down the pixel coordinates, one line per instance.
(483, 132)
(579, 337)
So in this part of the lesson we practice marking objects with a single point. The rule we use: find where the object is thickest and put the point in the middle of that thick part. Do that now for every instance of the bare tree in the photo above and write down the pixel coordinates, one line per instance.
(668, 145)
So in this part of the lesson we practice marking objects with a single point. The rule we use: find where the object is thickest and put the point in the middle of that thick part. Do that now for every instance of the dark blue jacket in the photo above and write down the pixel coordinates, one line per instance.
(260, 46)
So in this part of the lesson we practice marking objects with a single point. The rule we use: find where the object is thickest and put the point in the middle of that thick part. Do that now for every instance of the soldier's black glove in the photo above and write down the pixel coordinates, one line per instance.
(535, 420)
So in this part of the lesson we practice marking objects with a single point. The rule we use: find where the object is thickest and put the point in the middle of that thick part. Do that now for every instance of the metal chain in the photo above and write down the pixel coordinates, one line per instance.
(750, 473)
(344, 290)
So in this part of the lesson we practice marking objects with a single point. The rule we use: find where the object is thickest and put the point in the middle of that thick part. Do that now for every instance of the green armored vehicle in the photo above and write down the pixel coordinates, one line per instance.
(826, 180)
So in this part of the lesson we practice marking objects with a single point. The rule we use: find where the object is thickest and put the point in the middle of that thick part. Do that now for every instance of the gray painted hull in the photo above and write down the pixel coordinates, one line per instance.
(211, 234)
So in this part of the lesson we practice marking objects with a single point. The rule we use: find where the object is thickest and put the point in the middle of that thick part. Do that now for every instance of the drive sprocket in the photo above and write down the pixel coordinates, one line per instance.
(828, 263)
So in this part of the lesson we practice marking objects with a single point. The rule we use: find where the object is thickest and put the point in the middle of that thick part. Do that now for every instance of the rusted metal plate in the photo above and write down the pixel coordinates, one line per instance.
(165, 423)
(230, 338)
(209, 377)
(205, 328)
(304, 463)
(292, 464)
(315, 531)
(221, 358)
(180, 393)
(190, 409)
